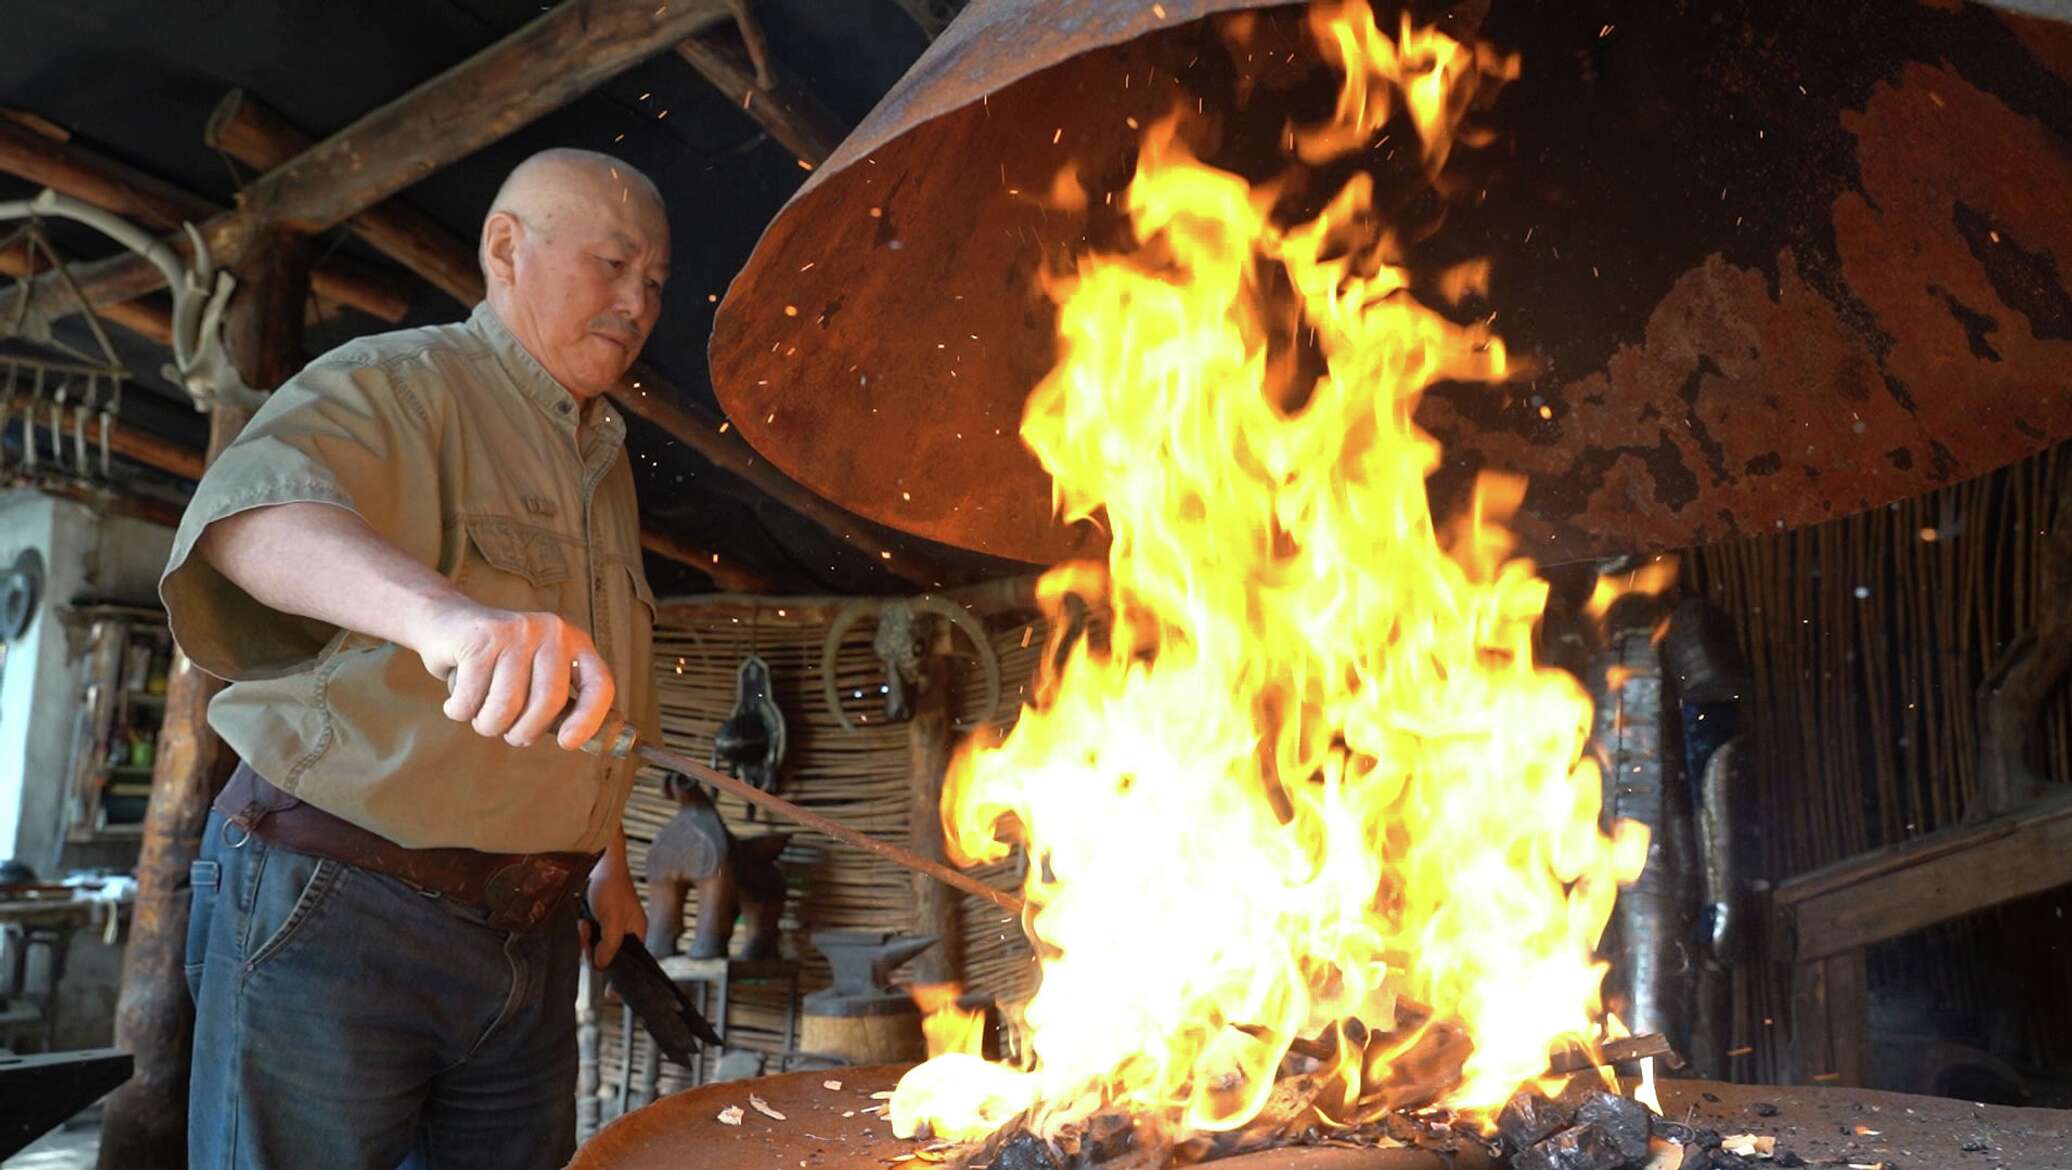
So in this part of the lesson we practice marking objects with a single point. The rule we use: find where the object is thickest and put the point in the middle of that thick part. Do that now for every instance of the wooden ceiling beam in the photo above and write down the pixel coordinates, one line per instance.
(251, 132)
(732, 58)
(726, 574)
(152, 202)
(255, 135)
(560, 56)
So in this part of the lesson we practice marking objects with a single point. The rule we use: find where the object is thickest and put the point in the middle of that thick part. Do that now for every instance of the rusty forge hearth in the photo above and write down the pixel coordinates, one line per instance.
(825, 1128)
(1297, 338)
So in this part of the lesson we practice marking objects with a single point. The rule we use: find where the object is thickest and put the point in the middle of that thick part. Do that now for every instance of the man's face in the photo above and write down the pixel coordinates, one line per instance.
(586, 285)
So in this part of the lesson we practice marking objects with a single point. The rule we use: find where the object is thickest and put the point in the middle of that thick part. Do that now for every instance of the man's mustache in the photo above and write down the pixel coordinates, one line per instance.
(616, 327)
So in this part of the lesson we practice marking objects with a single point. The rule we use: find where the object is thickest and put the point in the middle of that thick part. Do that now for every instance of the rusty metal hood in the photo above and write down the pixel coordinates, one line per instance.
(1776, 262)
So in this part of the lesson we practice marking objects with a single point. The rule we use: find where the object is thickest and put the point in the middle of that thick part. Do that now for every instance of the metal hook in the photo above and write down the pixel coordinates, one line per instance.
(109, 410)
(29, 424)
(57, 424)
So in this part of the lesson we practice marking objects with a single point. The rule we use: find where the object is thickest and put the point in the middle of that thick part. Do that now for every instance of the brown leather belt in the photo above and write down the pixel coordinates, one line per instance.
(517, 890)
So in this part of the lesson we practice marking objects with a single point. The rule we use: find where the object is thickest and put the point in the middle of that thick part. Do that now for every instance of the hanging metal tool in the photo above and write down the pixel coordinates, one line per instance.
(29, 424)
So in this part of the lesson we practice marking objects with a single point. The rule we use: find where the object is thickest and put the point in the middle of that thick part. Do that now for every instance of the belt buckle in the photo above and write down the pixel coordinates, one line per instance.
(520, 895)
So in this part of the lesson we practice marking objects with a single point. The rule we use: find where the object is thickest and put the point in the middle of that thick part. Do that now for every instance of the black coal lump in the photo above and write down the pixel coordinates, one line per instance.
(1024, 1151)
(1581, 1147)
(1528, 1118)
(1625, 1121)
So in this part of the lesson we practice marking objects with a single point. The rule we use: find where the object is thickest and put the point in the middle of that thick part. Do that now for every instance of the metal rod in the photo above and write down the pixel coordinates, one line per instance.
(662, 757)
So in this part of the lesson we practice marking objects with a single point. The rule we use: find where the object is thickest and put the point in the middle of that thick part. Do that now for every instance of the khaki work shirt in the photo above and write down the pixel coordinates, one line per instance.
(458, 447)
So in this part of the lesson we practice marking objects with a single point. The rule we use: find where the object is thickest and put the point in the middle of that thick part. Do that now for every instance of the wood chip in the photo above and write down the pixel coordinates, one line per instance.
(763, 1107)
(1664, 1155)
(832, 1086)
(849, 1113)
(1749, 1145)
(882, 1095)
(731, 1115)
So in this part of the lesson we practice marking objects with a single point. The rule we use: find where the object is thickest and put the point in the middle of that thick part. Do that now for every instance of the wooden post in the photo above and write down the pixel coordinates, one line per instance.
(2011, 700)
(928, 745)
(146, 1126)
(1830, 1019)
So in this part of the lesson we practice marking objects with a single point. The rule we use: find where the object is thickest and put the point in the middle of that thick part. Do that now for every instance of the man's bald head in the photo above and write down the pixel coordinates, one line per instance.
(575, 250)
(555, 186)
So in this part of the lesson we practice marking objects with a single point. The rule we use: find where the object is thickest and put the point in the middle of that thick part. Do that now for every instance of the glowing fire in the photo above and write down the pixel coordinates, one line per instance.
(1313, 775)
(946, 1026)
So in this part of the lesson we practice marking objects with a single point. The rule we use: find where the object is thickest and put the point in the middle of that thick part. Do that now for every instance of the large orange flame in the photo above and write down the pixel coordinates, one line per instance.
(1314, 771)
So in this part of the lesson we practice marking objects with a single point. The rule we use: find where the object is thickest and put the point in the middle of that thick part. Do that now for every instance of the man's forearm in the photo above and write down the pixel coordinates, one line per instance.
(508, 673)
(325, 562)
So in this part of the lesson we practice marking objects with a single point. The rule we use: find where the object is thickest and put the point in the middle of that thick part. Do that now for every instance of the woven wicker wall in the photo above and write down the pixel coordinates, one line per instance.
(1869, 638)
(860, 778)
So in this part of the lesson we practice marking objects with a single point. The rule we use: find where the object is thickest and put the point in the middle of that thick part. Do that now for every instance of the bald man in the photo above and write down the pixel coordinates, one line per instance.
(418, 555)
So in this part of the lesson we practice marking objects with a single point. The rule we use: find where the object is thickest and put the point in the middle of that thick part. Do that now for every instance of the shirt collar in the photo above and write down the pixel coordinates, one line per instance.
(532, 380)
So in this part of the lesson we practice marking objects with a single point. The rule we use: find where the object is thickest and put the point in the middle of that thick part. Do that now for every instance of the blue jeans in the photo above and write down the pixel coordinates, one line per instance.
(342, 1019)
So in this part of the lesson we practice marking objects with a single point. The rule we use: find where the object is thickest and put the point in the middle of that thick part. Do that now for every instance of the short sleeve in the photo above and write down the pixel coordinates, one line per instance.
(346, 433)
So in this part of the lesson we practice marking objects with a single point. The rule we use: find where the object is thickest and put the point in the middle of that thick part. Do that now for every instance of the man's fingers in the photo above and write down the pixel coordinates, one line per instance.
(467, 686)
(507, 691)
(545, 699)
(607, 947)
(594, 694)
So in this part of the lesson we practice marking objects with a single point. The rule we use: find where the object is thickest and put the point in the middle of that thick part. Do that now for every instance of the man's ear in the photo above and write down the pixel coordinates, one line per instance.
(501, 234)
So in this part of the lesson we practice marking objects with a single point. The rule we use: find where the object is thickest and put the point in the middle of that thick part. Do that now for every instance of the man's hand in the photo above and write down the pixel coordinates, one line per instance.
(510, 673)
(614, 902)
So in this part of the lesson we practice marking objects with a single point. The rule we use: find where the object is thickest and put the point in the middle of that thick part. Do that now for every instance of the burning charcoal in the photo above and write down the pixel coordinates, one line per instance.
(1105, 1138)
(1024, 1151)
(1530, 1118)
(1583, 1147)
(1625, 1121)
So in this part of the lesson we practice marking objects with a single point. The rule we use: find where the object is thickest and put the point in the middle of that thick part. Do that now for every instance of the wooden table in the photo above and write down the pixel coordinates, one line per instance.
(47, 916)
(1825, 920)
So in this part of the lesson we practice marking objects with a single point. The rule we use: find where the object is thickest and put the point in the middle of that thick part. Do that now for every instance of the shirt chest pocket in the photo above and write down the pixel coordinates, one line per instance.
(512, 564)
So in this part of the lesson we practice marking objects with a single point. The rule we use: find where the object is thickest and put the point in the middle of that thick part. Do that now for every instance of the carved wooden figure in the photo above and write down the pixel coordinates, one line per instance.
(733, 877)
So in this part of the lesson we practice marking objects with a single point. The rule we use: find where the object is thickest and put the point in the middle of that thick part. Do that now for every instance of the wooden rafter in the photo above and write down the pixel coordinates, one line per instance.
(152, 202)
(248, 131)
(728, 57)
(251, 132)
(556, 58)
